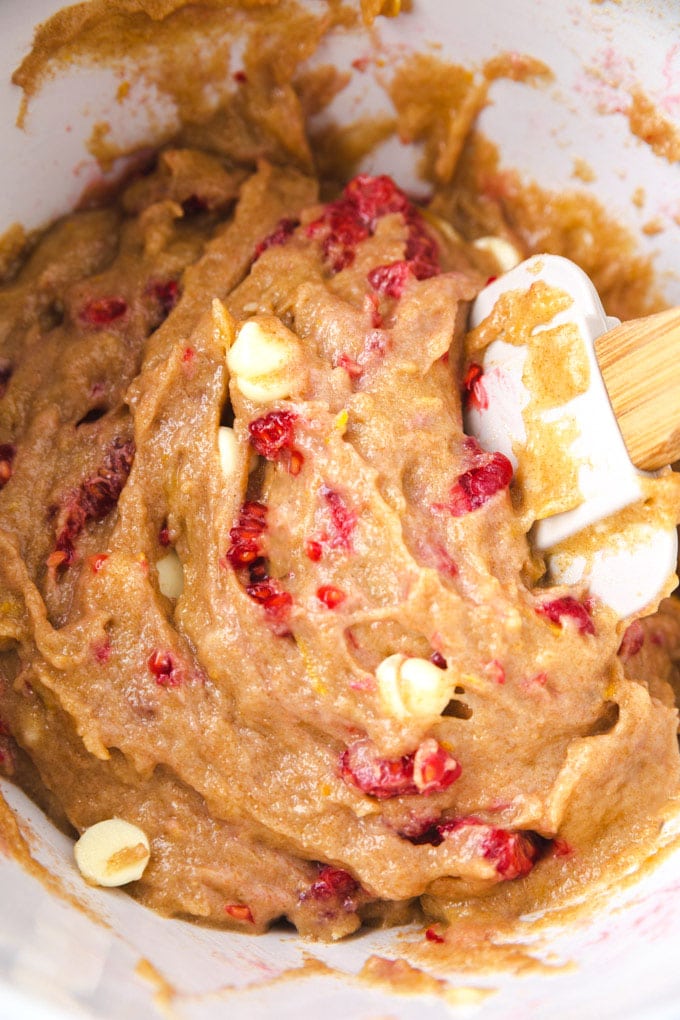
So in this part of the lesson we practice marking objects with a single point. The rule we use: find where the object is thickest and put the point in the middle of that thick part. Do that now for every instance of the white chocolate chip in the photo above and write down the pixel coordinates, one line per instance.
(505, 254)
(170, 575)
(112, 852)
(267, 360)
(227, 445)
(412, 687)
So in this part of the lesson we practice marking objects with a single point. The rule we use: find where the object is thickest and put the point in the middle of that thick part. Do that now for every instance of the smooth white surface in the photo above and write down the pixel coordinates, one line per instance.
(55, 961)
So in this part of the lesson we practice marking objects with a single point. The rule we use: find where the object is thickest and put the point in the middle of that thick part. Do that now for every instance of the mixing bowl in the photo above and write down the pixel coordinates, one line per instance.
(70, 951)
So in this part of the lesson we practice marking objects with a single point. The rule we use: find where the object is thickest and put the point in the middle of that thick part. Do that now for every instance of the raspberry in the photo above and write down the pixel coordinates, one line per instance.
(350, 365)
(273, 433)
(279, 235)
(474, 388)
(343, 519)
(334, 884)
(246, 553)
(353, 217)
(379, 777)
(390, 279)
(164, 669)
(246, 535)
(476, 486)
(7, 455)
(267, 592)
(93, 500)
(99, 312)
(429, 769)
(513, 854)
(272, 436)
(330, 595)
(434, 769)
(633, 640)
(313, 550)
(567, 607)
(166, 293)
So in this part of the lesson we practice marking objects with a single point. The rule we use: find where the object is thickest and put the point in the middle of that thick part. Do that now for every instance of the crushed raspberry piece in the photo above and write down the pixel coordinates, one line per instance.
(440, 557)
(352, 367)
(240, 912)
(102, 651)
(343, 519)
(390, 279)
(438, 660)
(5, 375)
(313, 550)
(421, 261)
(330, 595)
(633, 640)
(188, 355)
(97, 561)
(164, 536)
(246, 552)
(475, 487)
(166, 293)
(375, 197)
(428, 770)
(273, 434)
(93, 500)
(246, 535)
(102, 311)
(513, 854)
(240, 76)
(279, 235)
(567, 607)
(334, 884)
(433, 936)
(383, 778)
(560, 847)
(434, 768)
(7, 454)
(276, 603)
(164, 669)
(474, 388)
(494, 670)
(353, 217)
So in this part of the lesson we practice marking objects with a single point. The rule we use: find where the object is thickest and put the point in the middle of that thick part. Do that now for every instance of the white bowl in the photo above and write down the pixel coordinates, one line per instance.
(619, 961)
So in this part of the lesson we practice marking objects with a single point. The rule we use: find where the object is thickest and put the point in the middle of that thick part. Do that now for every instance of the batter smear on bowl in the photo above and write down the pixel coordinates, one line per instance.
(260, 595)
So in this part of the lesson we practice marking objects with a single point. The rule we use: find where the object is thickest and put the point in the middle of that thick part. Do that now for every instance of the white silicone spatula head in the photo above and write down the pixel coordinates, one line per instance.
(540, 399)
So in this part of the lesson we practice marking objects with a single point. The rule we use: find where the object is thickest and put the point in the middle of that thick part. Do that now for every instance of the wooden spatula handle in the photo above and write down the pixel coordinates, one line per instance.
(640, 365)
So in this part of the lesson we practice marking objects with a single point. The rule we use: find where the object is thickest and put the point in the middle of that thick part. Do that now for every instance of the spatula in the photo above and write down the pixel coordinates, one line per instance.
(583, 464)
